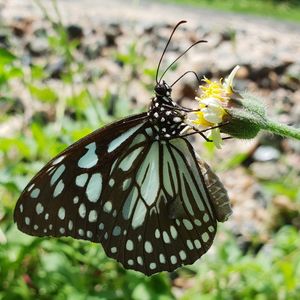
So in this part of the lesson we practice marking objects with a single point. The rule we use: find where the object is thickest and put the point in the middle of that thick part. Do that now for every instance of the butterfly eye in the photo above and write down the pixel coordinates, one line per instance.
(160, 89)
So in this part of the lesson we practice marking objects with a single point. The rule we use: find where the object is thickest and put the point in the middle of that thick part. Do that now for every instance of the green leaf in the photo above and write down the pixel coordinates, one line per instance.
(6, 56)
(44, 93)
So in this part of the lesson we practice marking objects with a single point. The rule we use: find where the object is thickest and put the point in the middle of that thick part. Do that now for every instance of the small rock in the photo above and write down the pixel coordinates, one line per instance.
(38, 47)
(4, 39)
(75, 32)
(266, 153)
(111, 35)
(268, 170)
(93, 49)
(56, 69)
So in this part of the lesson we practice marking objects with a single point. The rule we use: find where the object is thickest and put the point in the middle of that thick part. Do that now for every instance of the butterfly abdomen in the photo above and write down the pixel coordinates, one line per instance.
(218, 194)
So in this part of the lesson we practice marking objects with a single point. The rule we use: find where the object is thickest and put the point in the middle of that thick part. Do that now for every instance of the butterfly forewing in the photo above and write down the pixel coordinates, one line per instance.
(67, 193)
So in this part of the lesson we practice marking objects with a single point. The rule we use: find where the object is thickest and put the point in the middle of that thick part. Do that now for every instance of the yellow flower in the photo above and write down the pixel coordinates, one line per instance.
(212, 104)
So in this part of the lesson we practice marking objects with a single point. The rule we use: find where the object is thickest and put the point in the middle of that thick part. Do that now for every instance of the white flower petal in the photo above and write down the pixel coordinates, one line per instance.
(228, 82)
(213, 112)
(211, 102)
(212, 117)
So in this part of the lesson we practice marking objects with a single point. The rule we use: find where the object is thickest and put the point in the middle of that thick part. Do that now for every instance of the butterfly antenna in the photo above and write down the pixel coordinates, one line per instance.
(182, 54)
(165, 49)
(198, 79)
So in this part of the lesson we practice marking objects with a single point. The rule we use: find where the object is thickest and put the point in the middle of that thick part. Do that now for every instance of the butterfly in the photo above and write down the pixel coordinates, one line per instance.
(136, 186)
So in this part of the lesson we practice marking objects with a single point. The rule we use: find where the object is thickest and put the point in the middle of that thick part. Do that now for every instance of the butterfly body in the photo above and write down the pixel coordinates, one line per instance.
(164, 114)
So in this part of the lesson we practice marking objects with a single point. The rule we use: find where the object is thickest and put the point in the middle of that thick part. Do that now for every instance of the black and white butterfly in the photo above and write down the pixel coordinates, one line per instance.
(136, 186)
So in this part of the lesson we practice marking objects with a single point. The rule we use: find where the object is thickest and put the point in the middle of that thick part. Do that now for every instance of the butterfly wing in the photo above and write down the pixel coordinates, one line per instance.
(157, 214)
(144, 200)
(58, 199)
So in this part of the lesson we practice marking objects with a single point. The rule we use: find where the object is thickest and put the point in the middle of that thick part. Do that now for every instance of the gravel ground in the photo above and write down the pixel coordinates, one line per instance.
(148, 11)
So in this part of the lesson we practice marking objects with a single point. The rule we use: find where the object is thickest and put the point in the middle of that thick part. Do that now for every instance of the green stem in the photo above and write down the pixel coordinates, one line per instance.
(282, 129)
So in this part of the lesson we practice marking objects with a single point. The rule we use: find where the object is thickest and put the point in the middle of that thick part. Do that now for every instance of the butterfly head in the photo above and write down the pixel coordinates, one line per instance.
(162, 89)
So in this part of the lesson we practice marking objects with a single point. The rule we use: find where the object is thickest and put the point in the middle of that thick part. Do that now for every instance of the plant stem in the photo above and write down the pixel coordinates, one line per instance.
(282, 129)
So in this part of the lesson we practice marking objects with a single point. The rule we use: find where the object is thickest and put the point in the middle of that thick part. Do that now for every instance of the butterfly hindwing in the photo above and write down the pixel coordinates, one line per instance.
(142, 230)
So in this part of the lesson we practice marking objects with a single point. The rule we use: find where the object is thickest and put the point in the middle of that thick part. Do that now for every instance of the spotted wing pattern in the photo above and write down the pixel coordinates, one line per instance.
(144, 200)
(65, 195)
(157, 215)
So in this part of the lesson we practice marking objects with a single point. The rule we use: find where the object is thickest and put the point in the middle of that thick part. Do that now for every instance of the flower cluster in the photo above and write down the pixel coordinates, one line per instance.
(212, 104)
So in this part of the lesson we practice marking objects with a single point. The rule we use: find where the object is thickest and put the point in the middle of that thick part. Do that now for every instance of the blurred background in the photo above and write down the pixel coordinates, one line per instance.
(70, 67)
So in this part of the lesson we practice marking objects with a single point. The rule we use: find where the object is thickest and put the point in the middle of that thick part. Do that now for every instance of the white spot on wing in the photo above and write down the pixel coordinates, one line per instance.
(130, 262)
(127, 162)
(35, 193)
(116, 231)
(93, 216)
(157, 233)
(162, 259)
(205, 237)
(150, 182)
(129, 245)
(197, 244)
(173, 259)
(59, 188)
(57, 174)
(139, 215)
(111, 182)
(30, 187)
(166, 237)
(148, 247)
(90, 158)
(205, 218)
(114, 144)
(58, 160)
(107, 207)
(140, 260)
(188, 225)
(190, 244)
(94, 187)
(82, 210)
(39, 208)
(173, 232)
(126, 184)
(70, 225)
(130, 203)
(61, 213)
(81, 179)
(182, 254)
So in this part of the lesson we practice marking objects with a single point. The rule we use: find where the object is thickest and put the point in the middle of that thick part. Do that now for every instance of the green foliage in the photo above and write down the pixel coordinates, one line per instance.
(230, 274)
(280, 9)
(247, 116)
